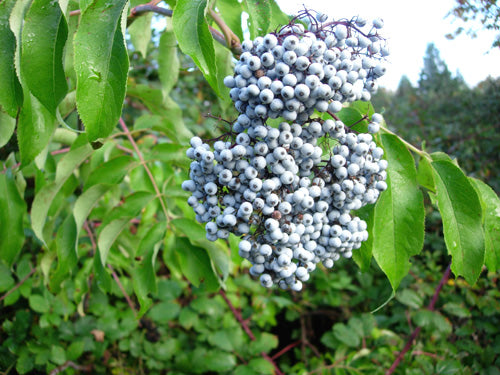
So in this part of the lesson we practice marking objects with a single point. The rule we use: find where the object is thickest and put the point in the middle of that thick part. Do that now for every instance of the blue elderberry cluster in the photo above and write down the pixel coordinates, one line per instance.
(289, 191)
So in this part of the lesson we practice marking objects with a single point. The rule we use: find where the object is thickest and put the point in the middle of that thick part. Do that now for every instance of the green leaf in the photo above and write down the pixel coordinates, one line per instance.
(432, 320)
(7, 127)
(116, 221)
(195, 264)
(457, 309)
(424, 175)
(224, 60)
(278, 18)
(66, 252)
(410, 298)
(44, 198)
(218, 361)
(12, 210)
(143, 274)
(101, 65)
(6, 280)
(197, 236)
(39, 303)
(352, 117)
(11, 93)
(168, 61)
(57, 355)
(25, 362)
(111, 172)
(398, 229)
(345, 335)
(84, 205)
(171, 120)
(461, 213)
(194, 37)
(140, 30)
(259, 14)
(35, 128)
(491, 223)
(363, 255)
(43, 39)
(264, 342)
(261, 366)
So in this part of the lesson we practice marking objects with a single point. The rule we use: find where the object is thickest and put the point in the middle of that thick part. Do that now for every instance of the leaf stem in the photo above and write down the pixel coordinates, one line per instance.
(25, 278)
(416, 150)
(159, 195)
(232, 41)
(248, 331)
(122, 289)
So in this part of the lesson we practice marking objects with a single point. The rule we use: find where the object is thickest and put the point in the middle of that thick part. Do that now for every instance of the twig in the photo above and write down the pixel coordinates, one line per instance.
(64, 366)
(232, 41)
(286, 349)
(247, 329)
(139, 10)
(25, 278)
(124, 292)
(60, 151)
(144, 163)
(415, 333)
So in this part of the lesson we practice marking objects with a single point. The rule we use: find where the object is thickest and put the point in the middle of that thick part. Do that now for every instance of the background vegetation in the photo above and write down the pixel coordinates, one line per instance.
(104, 270)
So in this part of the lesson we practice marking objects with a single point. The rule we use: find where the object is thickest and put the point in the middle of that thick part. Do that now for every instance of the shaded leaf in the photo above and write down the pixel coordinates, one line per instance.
(117, 220)
(140, 30)
(168, 61)
(12, 210)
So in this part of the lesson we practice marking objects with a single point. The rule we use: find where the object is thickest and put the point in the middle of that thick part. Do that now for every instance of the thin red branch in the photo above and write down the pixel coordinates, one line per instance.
(286, 349)
(144, 163)
(64, 366)
(25, 278)
(247, 329)
(124, 292)
(415, 333)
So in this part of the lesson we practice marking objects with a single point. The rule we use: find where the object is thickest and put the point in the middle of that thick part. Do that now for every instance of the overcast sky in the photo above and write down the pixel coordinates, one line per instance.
(409, 27)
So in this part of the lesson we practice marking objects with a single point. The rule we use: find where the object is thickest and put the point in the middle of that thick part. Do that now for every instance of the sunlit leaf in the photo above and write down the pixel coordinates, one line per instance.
(461, 212)
(101, 65)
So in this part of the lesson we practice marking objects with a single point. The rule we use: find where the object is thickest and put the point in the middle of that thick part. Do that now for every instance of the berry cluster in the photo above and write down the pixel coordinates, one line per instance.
(288, 192)
(294, 72)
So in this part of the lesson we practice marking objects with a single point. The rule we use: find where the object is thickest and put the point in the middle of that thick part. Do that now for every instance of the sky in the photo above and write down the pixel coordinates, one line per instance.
(409, 26)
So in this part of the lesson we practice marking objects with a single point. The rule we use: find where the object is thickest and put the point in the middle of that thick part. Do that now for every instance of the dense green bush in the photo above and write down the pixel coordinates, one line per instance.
(104, 269)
